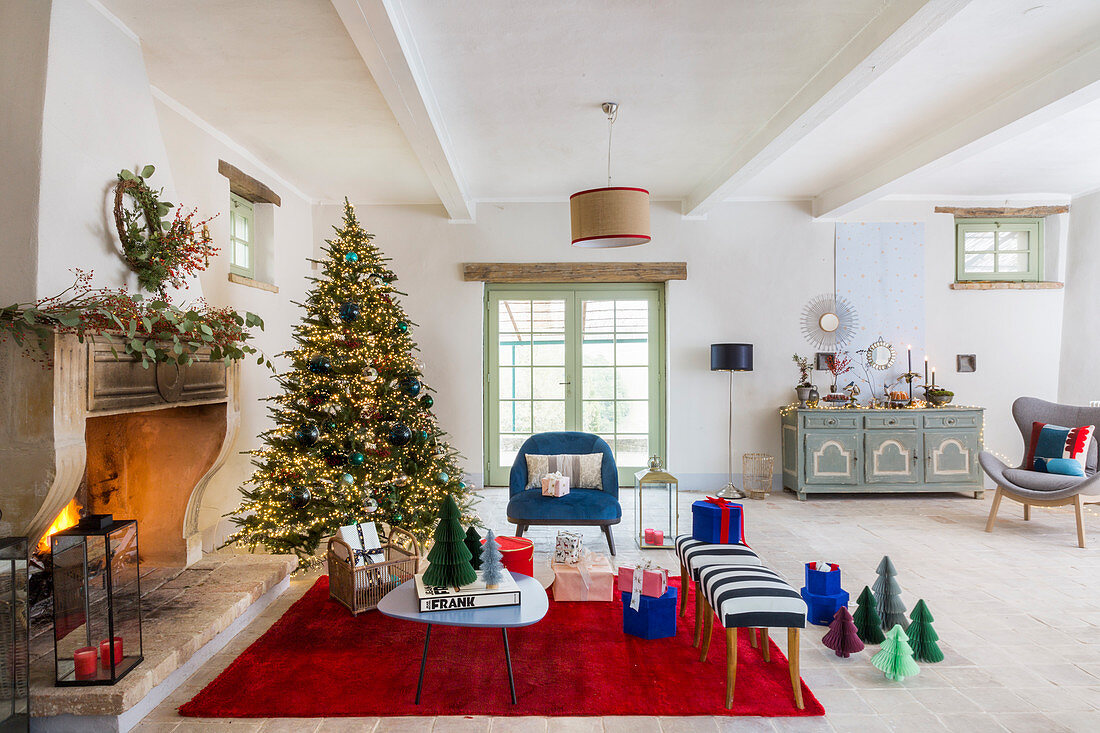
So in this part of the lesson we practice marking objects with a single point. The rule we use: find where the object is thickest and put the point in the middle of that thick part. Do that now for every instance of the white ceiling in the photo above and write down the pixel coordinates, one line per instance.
(499, 100)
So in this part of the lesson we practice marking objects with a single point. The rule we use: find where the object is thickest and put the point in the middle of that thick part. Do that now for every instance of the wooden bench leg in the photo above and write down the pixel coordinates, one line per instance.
(683, 590)
(708, 628)
(792, 658)
(993, 510)
(698, 615)
(731, 665)
(765, 645)
(1027, 512)
(1077, 509)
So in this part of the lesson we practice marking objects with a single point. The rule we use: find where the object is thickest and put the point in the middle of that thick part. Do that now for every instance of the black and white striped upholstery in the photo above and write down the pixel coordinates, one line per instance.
(695, 554)
(747, 596)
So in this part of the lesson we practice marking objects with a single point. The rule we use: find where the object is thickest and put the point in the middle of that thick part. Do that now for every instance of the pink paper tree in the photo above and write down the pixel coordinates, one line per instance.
(842, 637)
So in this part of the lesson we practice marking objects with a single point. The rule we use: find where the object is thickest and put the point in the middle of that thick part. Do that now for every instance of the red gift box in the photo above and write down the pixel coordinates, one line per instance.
(654, 580)
(517, 554)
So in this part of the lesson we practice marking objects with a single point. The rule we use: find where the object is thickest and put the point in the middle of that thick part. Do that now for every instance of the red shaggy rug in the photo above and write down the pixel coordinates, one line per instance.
(318, 661)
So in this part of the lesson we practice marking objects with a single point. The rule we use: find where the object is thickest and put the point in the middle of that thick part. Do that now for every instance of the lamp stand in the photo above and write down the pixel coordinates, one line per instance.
(729, 491)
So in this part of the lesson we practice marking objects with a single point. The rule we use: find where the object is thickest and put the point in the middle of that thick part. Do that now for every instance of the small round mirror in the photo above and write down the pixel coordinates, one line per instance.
(880, 355)
(829, 322)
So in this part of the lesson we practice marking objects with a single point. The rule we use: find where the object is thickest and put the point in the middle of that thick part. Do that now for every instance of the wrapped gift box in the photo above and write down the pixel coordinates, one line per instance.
(363, 541)
(517, 554)
(820, 609)
(654, 580)
(655, 617)
(555, 485)
(591, 579)
(718, 521)
(822, 578)
(567, 547)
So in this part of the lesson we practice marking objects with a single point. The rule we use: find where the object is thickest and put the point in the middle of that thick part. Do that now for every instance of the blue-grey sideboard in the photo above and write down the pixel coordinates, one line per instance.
(889, 451)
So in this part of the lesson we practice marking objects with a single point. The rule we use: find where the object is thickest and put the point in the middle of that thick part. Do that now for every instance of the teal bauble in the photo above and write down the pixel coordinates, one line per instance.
(428, 401)
(348, 479)
(443, 477)
(351, 257)
(349, 312)
(306, 434)
(410, 385)
(423, 435)
(357, 458)
(462, 484)
(328, 425)
(402, 327)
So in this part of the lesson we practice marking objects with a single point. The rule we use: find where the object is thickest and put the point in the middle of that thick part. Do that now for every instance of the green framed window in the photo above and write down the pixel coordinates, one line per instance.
(242, 237)
(581, 357)
(999, 249)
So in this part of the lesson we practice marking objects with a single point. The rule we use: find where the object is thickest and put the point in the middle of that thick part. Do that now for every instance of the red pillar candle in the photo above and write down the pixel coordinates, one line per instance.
(105, 651)
(84, 659)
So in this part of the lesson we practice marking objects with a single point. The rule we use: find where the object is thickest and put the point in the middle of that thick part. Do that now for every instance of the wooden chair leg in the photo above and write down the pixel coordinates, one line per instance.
(1077, 509)
(792, 658)
(752, 638)
(610, 538)
(698, 615)
(1027, 512)
(708, 629)
(993, 509)
(683, 590)
(765, 645)
(731, 665)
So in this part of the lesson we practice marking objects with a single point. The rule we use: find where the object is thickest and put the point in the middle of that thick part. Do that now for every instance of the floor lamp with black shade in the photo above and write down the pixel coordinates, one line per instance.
(731, 358)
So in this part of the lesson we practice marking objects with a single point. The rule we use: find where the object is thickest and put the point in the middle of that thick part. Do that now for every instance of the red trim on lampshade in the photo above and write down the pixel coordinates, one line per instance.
(608, 188)
(646, 237)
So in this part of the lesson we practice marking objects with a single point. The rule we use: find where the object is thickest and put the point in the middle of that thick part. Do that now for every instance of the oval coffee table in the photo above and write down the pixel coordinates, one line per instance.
(401, 602)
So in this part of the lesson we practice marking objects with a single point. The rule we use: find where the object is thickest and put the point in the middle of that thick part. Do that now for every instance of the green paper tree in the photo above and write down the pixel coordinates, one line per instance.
(492, 562)
(868, 624)
(354, 433)
(922, 637)
(895, 659)
(449, 557)
(473, 544)
(888, 596)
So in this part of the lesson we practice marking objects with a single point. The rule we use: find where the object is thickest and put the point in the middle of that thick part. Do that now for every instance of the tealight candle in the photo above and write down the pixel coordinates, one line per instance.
(84, 660)
(105, 651)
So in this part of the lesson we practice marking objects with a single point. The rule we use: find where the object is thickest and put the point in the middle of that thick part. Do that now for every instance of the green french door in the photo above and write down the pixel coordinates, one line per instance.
(581, 357)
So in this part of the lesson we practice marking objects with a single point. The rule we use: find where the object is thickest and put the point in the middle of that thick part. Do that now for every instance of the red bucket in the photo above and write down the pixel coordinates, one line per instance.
(518, 554)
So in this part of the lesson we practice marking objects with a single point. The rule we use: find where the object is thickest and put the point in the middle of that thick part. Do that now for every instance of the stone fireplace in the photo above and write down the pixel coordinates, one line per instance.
(137, 443)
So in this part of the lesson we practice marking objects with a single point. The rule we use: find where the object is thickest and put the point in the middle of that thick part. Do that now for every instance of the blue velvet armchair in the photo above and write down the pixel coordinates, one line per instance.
(580, 507)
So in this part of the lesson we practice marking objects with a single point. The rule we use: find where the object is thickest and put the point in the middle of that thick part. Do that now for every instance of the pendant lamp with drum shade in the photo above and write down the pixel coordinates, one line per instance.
(613, 216)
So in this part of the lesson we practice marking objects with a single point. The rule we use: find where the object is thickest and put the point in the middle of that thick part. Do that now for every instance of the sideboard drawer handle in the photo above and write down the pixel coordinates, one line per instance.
(891, 421)
(949, 420)
(830, 421)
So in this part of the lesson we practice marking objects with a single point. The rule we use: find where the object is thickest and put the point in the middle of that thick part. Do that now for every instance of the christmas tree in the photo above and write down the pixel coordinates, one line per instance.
(868, 624)
(354, 433)
(843, 638)
(492, 563)
(895, 658)
(888, 596)
(449, 558)
(473, 544)
(922, 637)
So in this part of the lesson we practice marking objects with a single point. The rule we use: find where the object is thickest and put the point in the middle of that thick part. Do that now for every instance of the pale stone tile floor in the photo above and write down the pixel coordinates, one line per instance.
(1017, 611)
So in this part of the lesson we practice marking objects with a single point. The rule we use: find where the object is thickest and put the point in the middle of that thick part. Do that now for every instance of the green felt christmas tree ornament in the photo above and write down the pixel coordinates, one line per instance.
(868, 623)
(895, 659)
(922, 637)
(449, 557)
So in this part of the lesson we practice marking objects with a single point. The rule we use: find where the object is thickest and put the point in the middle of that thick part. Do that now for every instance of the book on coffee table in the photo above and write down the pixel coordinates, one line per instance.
(474, 595)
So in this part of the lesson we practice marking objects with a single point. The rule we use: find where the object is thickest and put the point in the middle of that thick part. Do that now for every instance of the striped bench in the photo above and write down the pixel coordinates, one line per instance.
(694, 555)
(752, 596)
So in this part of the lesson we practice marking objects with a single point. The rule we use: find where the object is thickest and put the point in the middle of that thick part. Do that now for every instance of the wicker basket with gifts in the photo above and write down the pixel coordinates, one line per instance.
(363, 566)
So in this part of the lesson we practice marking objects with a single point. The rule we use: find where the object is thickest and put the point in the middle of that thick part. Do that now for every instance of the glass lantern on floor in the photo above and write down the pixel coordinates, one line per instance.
(14, 639)
(656, 504)
(96, 601)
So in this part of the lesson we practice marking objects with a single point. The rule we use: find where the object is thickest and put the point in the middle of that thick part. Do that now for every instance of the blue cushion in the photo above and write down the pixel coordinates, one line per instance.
(557, 443)
(588, 504)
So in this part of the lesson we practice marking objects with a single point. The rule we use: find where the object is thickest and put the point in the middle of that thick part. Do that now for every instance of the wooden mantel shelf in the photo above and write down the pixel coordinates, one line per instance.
(1007, 285)
(574, 272)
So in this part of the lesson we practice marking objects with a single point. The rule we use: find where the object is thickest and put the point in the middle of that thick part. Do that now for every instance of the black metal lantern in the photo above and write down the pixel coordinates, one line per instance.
(96, 601)
(14, 639)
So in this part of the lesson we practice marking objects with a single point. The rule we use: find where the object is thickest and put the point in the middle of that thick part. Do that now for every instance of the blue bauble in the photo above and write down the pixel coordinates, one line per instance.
(299, 496)
(349, 312)
(443, 477)
(320, 364)
(348, 479)
(307, 434)
(423, 436)
(410, 385)
(351, 257)
(399, 434)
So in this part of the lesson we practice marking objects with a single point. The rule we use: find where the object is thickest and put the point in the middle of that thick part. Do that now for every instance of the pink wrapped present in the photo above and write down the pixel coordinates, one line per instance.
(554, 484)
(654, 580)
(591, 579)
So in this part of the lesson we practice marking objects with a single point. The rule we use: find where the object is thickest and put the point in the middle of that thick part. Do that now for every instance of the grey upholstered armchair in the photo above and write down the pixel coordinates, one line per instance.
(1034, 488)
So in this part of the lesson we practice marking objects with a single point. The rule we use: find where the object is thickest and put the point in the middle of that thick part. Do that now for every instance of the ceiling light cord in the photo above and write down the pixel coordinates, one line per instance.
(612, 111)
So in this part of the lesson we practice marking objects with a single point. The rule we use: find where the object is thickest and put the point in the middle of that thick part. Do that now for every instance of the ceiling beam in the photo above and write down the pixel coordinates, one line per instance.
(380, 32)
(892, 34)
(1069, 83)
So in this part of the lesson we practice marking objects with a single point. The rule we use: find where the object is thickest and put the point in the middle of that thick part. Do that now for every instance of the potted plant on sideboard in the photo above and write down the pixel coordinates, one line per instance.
(803, 388)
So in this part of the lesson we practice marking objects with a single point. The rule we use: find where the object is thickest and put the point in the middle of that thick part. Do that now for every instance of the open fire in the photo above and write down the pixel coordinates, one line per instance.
(68, 517)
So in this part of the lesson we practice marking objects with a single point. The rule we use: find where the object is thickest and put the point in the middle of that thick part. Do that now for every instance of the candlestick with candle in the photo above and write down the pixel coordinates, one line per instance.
(926, 370)
(933, 376)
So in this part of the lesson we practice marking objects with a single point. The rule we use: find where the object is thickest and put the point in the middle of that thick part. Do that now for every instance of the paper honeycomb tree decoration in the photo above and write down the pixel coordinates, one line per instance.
(888, 596)
(449, 557)
(922, 637)
(473, 544)
(868, 623)
(492, 562)
(843, 637)
(895, 659)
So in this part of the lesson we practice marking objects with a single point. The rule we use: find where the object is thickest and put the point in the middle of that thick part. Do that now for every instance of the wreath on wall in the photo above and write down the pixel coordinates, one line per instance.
(161, 251)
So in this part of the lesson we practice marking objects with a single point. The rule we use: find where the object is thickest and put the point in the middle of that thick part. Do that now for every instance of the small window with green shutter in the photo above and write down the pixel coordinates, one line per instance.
(999, 249)
(242, 260)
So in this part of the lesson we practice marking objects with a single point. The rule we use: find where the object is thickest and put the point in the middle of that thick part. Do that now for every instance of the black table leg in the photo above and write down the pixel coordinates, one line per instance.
(424, 661)
(508, 658)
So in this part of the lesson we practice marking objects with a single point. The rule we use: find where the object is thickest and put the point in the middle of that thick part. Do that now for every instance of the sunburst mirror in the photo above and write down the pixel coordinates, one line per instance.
(829, 321)
(881, 355)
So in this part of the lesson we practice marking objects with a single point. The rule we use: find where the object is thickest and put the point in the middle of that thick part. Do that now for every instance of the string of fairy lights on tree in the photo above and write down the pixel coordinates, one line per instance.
(354, 437)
